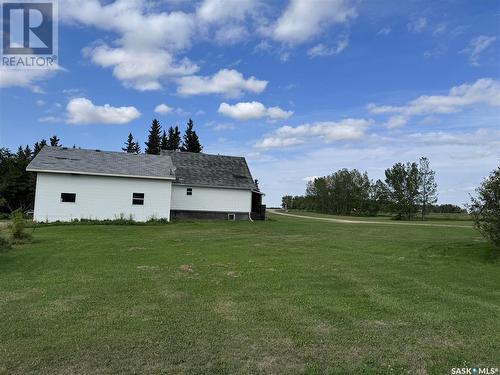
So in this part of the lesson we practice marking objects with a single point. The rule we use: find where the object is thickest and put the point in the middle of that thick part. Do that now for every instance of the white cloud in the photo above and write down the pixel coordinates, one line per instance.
(227, 21)
(253, 110)
(50, 119)
(278, 142)
(325, 50)
(226, 82)
(484, 91)
(24, 78)
(478, 45)
(141, 69)
(144, 46)
(144, 54)
(396, 122)
(310, 178)
(221, 127)
(130, 19)
(263, 45)
(304, 19)
(83, 111)
(276, 113)
(163, 109)
(480, 136)
(417, 25)
(459, 159)
(222, 11)
(384, 31)
(440, 29)
(231, 34)
(329, 131)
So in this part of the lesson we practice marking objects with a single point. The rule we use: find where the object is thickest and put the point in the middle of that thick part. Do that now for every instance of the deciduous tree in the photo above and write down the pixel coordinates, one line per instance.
(402, 181)
(485, 208)
(428, 186)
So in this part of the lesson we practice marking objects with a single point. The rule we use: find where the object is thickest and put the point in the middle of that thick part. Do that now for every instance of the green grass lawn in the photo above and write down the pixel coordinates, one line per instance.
(284, 296)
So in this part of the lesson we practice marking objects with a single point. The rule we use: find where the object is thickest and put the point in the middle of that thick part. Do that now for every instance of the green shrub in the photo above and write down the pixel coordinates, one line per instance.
(4, 243)
(18, 226)
(121, 220)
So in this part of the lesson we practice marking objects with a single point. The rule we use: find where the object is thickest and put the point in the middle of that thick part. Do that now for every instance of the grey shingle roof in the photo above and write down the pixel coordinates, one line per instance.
(211, 170)
(60, 159)
(187, 168)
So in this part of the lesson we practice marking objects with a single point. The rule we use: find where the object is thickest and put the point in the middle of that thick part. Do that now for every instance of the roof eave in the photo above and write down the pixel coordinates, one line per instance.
(213, 186)
(100, 174)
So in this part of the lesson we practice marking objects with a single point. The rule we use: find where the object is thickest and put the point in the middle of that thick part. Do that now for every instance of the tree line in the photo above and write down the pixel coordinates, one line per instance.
(161, 140)
(408, 189)
(17, 186)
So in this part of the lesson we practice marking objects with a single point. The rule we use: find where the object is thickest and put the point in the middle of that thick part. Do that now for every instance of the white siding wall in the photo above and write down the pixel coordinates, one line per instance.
(211, 199)
(100, 197)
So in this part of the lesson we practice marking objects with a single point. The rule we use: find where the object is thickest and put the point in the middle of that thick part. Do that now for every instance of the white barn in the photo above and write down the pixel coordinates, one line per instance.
(98, 185)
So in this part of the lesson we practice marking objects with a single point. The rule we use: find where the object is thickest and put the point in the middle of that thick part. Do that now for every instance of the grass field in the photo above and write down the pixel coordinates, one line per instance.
(284, 296)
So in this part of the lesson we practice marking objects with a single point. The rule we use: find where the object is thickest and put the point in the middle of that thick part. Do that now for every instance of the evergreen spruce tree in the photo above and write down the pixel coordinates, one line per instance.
(191, 141)
(54, 141)
(137, 147)
(130, 145)
(174, 138)
(154, 139)
(20, 153)
(38, 146)
(164, 141)
(28, 153)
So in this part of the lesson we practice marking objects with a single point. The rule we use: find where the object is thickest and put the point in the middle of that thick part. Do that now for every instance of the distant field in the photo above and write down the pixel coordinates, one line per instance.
(284, 296)
(436, 216)
(459, 219)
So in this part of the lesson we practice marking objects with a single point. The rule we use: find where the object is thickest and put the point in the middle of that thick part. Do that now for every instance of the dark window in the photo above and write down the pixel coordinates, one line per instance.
(68, 197)
(189, 191)
(138, 199)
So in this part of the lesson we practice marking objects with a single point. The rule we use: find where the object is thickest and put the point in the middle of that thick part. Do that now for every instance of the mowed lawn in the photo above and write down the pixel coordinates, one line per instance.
(284, 296)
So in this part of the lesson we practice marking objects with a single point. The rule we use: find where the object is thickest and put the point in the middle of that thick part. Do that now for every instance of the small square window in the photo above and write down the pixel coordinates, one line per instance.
(138, 199)
(68, 197)
(189, 191)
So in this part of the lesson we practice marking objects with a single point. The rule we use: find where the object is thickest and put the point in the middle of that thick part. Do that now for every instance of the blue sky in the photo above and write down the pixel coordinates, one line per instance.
(301, 88)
